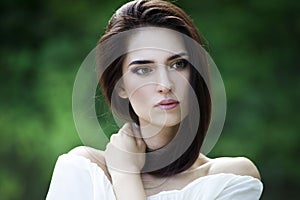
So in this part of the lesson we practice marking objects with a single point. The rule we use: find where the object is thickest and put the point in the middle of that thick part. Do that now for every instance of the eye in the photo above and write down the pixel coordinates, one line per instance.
(179, 65)
(144, 70)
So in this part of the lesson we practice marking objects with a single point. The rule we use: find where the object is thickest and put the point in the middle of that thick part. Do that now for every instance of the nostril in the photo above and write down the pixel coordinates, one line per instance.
(164, 88)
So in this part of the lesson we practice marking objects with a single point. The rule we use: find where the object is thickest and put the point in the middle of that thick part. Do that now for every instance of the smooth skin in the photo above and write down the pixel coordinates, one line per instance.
(149, 185)
(151, 75)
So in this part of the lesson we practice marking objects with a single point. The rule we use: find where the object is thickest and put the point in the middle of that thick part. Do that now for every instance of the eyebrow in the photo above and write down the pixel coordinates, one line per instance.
(141, 62)
(176, 56)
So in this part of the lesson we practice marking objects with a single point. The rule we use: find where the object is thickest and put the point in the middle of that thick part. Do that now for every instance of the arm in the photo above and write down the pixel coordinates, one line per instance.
(242, 187)
(128, 185)
(76, 177)
(70, 180)
(124, 157)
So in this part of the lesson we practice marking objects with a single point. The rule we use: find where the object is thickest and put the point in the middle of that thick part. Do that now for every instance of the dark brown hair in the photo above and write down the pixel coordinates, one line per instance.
(164, 14)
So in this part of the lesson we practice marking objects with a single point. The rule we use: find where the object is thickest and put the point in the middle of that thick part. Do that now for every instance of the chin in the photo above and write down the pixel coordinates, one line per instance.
(167, 122)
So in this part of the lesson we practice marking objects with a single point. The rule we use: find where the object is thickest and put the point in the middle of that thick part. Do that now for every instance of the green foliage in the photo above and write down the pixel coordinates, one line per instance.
(254, 43)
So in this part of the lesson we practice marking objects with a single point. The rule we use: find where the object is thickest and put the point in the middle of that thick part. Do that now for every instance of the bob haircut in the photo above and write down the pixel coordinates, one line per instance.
(163, 14)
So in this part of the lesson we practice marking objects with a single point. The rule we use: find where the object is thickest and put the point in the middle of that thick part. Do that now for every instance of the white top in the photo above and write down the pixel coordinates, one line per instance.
(77, 178)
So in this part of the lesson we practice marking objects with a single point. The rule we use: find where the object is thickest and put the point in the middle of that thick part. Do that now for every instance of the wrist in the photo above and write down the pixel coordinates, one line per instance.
(119, 175)
(124, 170)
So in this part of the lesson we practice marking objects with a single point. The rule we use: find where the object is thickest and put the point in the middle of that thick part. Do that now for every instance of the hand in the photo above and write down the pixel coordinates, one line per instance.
(126, 151)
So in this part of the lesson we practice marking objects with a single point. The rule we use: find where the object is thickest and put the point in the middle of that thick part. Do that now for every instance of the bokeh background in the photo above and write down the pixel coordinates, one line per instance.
(255, 44)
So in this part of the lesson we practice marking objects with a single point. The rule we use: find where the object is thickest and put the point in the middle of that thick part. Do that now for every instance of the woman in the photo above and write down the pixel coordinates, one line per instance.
(160, 87)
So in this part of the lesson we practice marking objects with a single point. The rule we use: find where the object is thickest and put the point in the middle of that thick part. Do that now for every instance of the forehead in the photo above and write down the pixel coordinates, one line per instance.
(151, 40)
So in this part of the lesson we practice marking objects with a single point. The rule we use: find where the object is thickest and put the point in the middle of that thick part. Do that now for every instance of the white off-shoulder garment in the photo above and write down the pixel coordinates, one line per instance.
(77, 178)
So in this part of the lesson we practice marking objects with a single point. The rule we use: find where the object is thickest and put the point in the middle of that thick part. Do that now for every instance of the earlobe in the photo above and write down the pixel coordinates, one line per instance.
(122, 93)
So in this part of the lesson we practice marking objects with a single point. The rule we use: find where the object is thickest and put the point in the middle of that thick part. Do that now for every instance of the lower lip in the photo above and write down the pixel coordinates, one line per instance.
(167, 106)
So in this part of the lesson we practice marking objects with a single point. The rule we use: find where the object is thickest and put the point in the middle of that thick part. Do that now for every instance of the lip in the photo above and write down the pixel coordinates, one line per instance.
(167, 104)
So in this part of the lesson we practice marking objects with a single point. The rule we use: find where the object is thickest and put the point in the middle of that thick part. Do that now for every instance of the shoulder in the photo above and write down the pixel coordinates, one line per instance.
(236, 165)
(94, 155)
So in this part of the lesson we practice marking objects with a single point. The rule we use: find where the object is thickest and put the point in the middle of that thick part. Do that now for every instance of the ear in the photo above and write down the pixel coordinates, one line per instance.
(122, 93)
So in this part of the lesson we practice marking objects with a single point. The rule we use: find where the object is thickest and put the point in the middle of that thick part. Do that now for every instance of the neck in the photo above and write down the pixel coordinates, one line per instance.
(157, 137)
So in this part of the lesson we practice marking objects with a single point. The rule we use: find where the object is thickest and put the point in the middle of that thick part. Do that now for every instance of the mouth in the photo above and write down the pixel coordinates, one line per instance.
(167, 104)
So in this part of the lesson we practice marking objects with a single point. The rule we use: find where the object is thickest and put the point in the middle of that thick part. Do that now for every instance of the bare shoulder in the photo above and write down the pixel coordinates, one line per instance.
(94, 155)
(236, 165)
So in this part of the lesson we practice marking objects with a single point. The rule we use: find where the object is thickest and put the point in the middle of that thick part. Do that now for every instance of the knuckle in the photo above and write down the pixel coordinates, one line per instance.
(113, 136)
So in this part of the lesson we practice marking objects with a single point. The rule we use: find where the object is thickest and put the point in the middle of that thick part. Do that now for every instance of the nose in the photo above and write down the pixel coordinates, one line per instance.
(164, 83)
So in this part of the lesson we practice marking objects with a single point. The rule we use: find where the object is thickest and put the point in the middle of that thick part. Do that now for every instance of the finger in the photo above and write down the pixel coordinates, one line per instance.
(137, 134)
(126, 129)
(136, 130)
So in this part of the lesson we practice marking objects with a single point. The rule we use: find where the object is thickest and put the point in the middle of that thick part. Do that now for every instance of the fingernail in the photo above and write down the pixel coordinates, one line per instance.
(136, 126)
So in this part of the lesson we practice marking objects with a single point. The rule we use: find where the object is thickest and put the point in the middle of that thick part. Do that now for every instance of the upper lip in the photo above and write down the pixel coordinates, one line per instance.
(166, 102)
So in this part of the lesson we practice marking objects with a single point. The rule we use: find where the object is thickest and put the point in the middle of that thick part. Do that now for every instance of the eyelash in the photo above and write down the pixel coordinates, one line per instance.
(140, 70)
(181, 61)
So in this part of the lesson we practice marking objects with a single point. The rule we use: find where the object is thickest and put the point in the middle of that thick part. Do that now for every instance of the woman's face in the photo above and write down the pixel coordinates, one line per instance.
(156, 77)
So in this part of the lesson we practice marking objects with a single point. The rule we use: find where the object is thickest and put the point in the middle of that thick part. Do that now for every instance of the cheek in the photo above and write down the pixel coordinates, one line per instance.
(139, 94)
(181, 82)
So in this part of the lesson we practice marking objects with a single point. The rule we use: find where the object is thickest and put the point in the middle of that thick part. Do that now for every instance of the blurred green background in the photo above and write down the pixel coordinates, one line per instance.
(255, 44)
